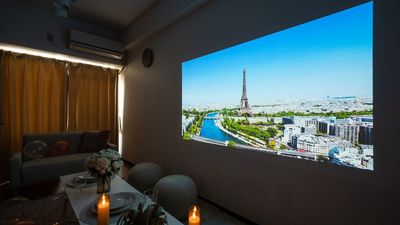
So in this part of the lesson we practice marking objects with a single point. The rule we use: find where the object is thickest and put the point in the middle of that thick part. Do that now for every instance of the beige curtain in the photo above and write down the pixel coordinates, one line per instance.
(32, 100)
(39, 95)
(92, 99)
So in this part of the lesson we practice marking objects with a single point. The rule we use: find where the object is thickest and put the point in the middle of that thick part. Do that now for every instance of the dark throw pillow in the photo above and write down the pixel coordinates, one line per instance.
(34, 150)
(94, 141)
(59, 148)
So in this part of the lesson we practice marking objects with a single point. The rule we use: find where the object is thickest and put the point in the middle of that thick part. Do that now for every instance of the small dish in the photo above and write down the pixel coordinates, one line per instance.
(118, 202)
(72, 183)
(87, 178)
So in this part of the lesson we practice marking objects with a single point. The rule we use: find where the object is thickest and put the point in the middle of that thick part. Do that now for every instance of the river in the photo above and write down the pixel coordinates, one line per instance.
(212, 131)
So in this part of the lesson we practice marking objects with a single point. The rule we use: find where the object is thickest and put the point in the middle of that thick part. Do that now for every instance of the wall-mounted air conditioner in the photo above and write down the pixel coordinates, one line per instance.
(81, 41)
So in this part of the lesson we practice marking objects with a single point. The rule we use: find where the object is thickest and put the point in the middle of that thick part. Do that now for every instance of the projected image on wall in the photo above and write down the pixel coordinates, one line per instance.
(304, 92)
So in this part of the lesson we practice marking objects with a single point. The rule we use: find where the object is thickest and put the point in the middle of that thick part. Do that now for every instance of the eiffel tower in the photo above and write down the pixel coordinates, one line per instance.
(244, 102)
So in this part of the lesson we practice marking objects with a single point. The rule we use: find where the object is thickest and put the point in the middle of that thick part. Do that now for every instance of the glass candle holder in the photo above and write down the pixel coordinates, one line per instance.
(194, 215)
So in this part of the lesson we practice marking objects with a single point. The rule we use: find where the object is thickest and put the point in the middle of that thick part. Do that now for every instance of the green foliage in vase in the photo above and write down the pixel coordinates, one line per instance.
(152, 215)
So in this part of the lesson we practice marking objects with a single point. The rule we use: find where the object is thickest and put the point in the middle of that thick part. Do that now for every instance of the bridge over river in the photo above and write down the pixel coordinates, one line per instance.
(210, 118)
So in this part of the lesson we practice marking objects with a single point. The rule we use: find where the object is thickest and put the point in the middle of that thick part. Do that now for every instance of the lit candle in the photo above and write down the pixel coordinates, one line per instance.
(103, 210)
(194, 215)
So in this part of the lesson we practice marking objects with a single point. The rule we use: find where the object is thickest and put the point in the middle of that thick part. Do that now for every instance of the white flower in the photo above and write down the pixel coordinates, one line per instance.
(103, 162)
(117, 164)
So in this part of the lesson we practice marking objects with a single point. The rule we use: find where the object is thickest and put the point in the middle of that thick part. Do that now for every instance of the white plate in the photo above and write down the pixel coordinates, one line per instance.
(73, 184)
(88, 217)
(118, 201)
(88, 178)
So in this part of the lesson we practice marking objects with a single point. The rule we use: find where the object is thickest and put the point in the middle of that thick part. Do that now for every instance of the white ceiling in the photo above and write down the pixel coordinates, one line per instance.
(115, 14)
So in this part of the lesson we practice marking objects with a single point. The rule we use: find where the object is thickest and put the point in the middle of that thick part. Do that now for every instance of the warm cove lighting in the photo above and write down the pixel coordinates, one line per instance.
(58, 56)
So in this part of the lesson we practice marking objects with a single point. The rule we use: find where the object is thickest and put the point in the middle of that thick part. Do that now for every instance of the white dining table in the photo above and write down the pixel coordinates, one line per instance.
(80, 199)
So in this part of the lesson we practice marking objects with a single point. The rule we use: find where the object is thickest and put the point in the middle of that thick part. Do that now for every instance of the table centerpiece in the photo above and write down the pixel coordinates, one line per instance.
(103, 165)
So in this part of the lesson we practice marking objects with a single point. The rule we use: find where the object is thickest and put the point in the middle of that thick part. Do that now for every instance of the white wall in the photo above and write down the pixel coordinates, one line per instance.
(27, 25)
(266, 189)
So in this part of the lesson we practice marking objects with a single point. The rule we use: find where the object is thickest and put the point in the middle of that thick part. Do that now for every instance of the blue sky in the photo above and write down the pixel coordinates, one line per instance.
(329, 56)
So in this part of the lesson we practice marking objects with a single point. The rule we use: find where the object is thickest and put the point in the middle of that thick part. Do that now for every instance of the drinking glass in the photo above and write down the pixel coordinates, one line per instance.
(80, 182)
(150, 196)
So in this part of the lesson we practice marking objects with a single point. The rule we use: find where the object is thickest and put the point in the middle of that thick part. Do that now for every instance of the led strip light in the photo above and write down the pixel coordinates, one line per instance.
(58, 56)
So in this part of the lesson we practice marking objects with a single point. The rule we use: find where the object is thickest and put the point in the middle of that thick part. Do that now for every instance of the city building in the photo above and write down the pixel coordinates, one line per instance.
(367, 150)
(311, 122)
(366, 134)
(347, 132)
(287, 120)
(323, 127)
(365, 119)
(309, 129)
(320, 145)
(289, 131)
(311, 143)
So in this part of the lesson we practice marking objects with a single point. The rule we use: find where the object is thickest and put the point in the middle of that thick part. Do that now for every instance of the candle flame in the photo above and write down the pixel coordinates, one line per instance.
(194, 214)
(103, 199)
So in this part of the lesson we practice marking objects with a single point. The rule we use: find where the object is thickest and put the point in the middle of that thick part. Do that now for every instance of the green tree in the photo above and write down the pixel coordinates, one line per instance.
(280, 126)
(187, 136)
(283, 147)
(261, 123)
(272, 144)
(231, 144)
(244, 122)
(272, 131)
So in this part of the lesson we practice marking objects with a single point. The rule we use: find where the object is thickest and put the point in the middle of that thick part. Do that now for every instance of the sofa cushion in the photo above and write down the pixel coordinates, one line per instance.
(74, 139)
(34, 150)
(94, 141)
(59, 148)
(44, 169)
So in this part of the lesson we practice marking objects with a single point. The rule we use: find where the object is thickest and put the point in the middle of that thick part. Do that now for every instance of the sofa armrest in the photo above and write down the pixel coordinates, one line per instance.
(112, 146)
(15, 169)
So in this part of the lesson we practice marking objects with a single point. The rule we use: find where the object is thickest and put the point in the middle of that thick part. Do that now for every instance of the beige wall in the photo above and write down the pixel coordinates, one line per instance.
(266, 189)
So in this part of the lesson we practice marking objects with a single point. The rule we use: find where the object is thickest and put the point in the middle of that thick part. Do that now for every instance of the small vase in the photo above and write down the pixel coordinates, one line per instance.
(103, 184)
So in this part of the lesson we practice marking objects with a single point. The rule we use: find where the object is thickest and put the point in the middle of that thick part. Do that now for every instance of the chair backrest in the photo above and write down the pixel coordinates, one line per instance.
(144, 175)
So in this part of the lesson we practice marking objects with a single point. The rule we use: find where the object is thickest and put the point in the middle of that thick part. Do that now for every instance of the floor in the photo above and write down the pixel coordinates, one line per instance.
(210, 213)
(213, 215)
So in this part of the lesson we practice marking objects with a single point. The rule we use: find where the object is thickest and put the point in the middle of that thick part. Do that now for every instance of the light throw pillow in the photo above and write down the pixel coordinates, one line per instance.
(34, 150)
(94, 141)
(59, 148)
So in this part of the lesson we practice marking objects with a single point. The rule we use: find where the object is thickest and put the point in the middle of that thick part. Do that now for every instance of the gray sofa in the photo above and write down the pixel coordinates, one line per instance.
(28, 172)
